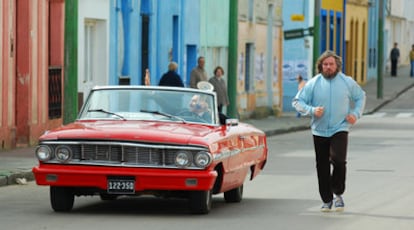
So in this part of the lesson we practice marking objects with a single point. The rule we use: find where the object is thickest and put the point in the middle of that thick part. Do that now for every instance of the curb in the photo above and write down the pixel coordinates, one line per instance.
(20, 178)
(286, 130)
(385, 102)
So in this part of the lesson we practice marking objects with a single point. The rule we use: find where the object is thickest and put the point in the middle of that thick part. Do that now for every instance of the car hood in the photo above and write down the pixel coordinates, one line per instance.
(145, 131)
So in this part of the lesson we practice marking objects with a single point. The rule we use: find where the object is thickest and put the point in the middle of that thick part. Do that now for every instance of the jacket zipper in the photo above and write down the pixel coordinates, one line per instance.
(330, 106)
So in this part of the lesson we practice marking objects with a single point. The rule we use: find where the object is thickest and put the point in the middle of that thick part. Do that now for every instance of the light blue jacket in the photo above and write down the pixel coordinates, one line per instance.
(339, 96)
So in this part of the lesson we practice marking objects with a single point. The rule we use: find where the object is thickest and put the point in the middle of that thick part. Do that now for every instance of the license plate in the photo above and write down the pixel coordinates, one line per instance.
(121, 186)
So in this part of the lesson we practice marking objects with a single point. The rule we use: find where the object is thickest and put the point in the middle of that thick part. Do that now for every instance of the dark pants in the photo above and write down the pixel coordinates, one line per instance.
(394, 63)
(331, 150)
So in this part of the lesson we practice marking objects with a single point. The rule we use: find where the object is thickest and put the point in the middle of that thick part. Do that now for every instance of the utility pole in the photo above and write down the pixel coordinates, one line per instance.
(380, 83)
(316, 34)
(70, 101)
(232, 61)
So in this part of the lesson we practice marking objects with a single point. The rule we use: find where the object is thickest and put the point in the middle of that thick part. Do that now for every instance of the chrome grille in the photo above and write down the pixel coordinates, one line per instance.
(139, 155)
(123, 154)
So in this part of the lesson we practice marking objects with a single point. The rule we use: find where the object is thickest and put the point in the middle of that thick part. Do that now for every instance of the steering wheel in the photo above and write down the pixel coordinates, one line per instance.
(190, 116)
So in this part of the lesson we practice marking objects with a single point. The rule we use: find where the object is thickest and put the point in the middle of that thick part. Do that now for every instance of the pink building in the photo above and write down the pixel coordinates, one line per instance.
(31, 69)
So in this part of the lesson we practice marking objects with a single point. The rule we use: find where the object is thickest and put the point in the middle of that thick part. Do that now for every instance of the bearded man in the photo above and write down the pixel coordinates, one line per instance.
(335, 102)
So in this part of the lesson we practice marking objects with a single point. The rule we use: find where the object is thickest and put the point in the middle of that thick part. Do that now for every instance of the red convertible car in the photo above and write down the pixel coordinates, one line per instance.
(162, 141)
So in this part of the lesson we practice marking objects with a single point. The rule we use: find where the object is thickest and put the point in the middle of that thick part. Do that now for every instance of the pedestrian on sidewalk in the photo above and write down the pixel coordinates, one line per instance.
(198, 73)
(171, 77)
(412, 61)
(394, 57)
(220, 88)
(335, 102)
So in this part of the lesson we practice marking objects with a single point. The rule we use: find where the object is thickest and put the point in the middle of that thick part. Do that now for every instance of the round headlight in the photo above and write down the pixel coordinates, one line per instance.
(183, 159)
(43, 152)
(202, 159)
(63, 153)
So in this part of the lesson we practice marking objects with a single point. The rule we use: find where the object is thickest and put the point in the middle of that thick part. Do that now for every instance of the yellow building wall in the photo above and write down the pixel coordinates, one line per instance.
(249, 102)
(254, 32)
(356, 39)
(335, 5)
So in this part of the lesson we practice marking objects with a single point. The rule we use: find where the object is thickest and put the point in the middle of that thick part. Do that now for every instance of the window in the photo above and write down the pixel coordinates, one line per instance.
(90, 27)
(249, 62)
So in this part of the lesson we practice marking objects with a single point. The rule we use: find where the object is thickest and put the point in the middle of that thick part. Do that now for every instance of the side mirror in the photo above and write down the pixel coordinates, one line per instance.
(232, 122)
(229, 123)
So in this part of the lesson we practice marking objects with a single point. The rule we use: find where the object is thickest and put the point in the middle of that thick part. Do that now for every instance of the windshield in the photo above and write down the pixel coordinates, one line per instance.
(150, 104)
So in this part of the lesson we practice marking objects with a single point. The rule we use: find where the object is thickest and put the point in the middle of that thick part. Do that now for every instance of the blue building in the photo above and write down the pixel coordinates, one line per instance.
(372, 65)
(148, 34)
(297, 52)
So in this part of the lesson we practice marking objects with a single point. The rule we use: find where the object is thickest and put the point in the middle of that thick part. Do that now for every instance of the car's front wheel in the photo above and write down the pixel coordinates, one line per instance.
(61, 199)
(200, 202)
(234, 195)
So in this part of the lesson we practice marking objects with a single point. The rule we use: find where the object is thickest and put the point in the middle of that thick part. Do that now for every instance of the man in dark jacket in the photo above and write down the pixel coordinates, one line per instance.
(394, 56)
(171, 78)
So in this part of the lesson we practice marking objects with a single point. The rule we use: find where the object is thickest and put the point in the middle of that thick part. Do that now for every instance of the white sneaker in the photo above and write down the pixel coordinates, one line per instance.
(339, 204)
(326, 207)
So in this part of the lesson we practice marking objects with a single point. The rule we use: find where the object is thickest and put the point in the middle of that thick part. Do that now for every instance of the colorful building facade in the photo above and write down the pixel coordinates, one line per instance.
(148, 34)
(399, 28)
(214, 35)
(373, 40)
(356, 40)
(259, 82)
(332, 26)
(119, 40)
(93, 42)
(31, 69)
(297, 55)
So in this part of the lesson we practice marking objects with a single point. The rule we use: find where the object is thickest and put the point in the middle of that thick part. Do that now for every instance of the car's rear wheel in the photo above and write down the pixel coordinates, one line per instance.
(234, 195)
(61, 199)
(200, 202)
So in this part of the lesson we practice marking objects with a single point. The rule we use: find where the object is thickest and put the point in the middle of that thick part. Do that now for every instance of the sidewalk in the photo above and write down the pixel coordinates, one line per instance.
(18, 163)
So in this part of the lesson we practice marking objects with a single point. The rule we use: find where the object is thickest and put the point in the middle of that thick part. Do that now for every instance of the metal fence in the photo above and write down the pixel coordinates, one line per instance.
(55, 92)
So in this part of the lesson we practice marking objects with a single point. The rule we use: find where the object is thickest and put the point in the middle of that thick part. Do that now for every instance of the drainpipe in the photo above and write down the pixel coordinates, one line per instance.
(232, 62)
(269, 55)
(70, 101)
(126, 9)
(316, 34)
